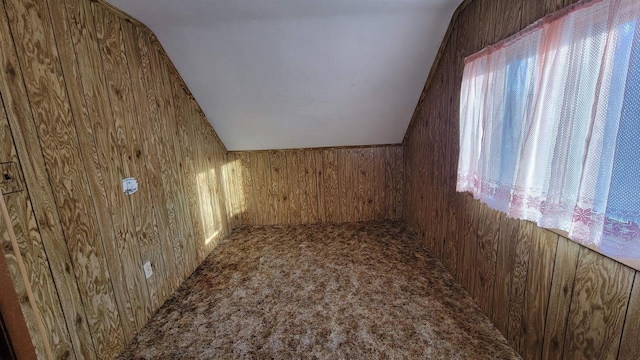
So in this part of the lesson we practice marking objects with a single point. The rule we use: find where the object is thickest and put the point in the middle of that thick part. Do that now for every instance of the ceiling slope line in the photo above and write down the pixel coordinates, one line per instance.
(436, 62)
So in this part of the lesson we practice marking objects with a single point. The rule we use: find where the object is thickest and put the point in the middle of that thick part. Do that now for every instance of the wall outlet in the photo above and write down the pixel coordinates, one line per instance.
(148, 271)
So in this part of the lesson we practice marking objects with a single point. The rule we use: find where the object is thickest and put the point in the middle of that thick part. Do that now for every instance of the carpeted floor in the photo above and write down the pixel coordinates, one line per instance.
(349, 291)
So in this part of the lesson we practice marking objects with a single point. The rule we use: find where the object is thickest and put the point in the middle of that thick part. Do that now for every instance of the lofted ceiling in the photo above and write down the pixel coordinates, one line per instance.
(276, 74)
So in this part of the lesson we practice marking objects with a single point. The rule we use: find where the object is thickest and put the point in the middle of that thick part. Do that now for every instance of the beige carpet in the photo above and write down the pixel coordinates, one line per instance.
(349, 291)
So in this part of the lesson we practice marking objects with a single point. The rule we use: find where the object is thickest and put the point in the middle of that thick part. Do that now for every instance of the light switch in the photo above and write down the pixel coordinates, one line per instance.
(148, 271)
(129, 185)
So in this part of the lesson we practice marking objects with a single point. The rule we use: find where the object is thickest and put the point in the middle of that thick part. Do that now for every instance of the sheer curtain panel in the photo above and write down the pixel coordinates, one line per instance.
(550, 125)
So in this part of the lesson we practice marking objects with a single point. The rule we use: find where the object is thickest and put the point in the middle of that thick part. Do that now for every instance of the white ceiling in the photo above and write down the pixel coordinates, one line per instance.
(274, 74)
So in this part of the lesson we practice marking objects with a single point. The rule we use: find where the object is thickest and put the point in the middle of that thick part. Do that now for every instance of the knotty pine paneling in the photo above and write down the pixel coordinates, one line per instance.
(301, 186)
(89, 97)
(550, 297)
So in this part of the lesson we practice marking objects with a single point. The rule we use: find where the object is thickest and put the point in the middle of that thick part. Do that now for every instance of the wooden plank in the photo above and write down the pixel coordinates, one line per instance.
(279, 186)
(519, 278)
(164, 149)
(226, 172)
(330, 185)
(249, 214)
(317, 153)
(214, 157)
(531, 12)
(211, 211)
(484, 10)
(389, 181)
(629, 345)
(311, 185)
(467, 259)
(16, 327)
(486, 253)
(237, 189)
(449, 104)
(341, 159)
(53, 118)
(352, 203)
(296, 200)
(379, 191)
(119, 88)
(504, 270)
(366, 184)
(158, 248)
(219, 156)
(258, 185)
(231, 194)
(15, 99)
(175, 159)
(507, 18)
(34, 259)
(319, 175)
(537, 290)
(86, 139)
(564, 273)
(94, 89)
(398, 177)
(453, 238)
(219, 153)
(262, 181)
(185, 156)
(600, 298)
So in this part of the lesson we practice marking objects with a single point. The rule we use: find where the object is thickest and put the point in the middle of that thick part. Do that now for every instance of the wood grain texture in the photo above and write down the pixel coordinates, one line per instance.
(250, 207)
(522, 277)
(366, 184)
(313, 201)
(279, 194)
(34, 259)
(598, 306)
(486, 255)
(25, 135)
(343, 184)
(537, 289)
(389, 182)
(379, 190)
(330, 185)
(153, 244)
(156, 135)
(175, 159)
(564, 273)
(505, 261)
(522, 252)
(296, 201)
(467, 255)
(261, 170)
(141, 226)
(321, 185)
(14, 323)
(630, 346)
(37, 51)
(90, 98)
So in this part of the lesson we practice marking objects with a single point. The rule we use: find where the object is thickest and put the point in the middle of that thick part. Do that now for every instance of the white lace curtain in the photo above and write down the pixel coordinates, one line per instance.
(550, 125)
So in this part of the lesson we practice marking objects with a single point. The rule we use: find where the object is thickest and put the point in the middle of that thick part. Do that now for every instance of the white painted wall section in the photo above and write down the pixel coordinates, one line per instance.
(274, 74)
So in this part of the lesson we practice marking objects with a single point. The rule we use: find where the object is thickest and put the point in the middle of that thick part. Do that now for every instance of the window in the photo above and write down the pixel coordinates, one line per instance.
(550, 125)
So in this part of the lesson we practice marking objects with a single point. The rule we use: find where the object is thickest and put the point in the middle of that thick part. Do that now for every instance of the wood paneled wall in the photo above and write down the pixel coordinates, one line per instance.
(550, 297)
(89, 98)
(321, 185)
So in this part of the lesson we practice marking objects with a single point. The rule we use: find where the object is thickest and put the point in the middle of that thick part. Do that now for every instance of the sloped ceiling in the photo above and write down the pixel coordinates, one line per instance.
(275, 74)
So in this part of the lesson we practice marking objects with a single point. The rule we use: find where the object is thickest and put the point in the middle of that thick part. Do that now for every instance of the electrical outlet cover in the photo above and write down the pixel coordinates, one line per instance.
(148, 271)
